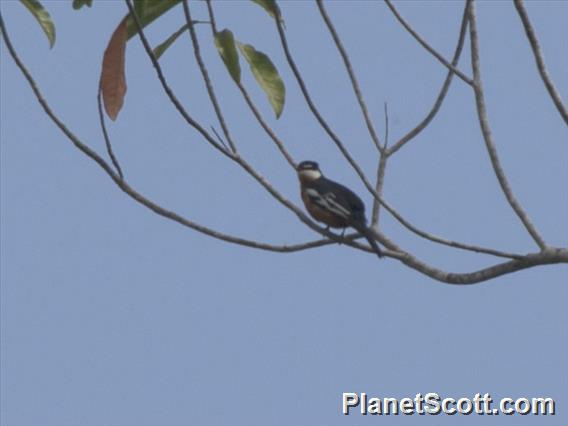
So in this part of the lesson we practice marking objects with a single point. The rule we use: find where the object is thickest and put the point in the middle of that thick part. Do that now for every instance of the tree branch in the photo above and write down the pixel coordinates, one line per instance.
(443, 91)
(551, 255)
(426, 46)
(211, 17)
(381, 169)
(351, 73)
(486, 131)
(547, 257)
(535, 46)
(106, 137)
(206, 79)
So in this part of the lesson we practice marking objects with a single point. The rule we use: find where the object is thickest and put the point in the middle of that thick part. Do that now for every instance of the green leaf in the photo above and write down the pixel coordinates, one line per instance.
(271, 7)
(148, 11)
(266, 75)
(78, 4)
(225, 43)
(43, 19)
(161, 48)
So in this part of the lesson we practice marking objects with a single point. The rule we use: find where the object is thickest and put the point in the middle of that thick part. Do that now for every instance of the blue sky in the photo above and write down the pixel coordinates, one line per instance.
(112, 315)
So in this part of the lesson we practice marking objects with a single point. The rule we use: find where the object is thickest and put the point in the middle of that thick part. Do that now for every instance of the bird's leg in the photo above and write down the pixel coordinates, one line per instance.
(342, 236)
(328, 229)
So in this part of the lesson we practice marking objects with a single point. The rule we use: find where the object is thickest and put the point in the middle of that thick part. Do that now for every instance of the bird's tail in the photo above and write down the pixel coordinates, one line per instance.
(366, 232)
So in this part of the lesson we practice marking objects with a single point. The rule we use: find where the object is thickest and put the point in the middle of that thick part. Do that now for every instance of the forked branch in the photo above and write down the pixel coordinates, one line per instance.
(441, 96)
(426, 45)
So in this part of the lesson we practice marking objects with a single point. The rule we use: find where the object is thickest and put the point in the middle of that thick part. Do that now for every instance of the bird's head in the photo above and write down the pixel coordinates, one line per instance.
(308, 171)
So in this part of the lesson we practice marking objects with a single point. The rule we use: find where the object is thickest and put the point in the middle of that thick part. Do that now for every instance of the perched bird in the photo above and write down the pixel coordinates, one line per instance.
(332, 203)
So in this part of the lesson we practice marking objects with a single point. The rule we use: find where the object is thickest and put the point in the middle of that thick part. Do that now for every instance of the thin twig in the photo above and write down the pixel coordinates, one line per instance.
(535, 46)
(269, 131)
(487, 136)
(426, 46)
(106, 137)
(211, 17)
(206, 79)
(443, 91)
(219, 138)
(386, 144)
(381, 169)
(169, 92)
(351, 73)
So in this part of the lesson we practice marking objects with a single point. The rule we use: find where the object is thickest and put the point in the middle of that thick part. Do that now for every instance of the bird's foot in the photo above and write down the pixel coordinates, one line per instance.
(342, 235)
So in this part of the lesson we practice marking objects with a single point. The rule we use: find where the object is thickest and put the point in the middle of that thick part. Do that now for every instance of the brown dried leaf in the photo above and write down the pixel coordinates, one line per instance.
(113, 79)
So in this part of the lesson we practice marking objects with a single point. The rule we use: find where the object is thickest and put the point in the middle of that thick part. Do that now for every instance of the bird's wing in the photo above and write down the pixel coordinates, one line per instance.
(328, 201)
(338, 199)
(347, 198)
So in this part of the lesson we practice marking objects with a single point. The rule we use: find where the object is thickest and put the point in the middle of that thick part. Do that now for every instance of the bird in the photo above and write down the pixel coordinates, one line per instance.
(333, 204)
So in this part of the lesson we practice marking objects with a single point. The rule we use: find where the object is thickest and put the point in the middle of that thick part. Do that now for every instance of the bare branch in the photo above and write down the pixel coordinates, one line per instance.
(169, 92)
(351, 73)
(551, 255)
(219, 138)
(450, 243)
(206, 79)
(279, 144)
(547, 257)
(211, 17)
(531, 35)
(106, 137)
(443, 91)
(381, 168)
(385, 146)
(426, 46)
(486, 131)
